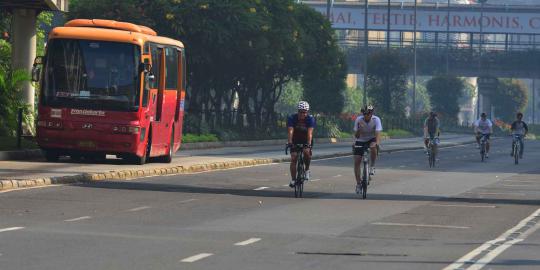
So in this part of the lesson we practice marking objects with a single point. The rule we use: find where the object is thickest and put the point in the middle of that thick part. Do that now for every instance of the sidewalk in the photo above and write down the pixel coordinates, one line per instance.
(29, 173)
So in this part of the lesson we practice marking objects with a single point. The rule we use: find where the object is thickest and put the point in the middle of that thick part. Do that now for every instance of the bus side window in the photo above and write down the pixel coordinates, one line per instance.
(184, 68)
(156, 63)
(171, 68)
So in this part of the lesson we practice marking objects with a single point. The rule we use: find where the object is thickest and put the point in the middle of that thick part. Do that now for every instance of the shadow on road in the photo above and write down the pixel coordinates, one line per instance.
(307, 194)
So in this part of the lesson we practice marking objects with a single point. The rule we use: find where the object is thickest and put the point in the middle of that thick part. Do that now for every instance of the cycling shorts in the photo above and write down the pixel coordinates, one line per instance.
(359, 147)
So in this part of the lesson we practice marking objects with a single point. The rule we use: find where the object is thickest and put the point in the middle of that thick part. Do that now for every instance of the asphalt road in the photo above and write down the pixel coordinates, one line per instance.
(464, 214)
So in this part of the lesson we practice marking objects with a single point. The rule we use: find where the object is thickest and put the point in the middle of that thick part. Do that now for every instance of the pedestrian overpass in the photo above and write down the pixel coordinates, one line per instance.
(462, 40)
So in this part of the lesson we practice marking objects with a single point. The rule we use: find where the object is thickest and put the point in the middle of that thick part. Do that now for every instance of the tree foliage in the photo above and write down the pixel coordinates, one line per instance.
(509, 97)
(387, 80)
(249, 49)
(445, 92)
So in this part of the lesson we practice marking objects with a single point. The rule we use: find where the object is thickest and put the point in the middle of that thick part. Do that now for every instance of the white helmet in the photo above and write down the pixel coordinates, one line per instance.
(303, 105)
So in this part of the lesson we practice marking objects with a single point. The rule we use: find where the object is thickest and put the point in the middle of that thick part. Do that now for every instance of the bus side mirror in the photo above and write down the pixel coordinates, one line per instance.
(36, 69)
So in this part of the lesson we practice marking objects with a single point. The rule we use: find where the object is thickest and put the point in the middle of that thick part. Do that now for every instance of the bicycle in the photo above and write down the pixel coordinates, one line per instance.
(483, 147)
(300, 168)
(366, 177)
(432, 151)
(517, 147)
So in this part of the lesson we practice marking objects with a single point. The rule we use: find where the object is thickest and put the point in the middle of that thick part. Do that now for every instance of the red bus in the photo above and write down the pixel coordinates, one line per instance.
(110, 87)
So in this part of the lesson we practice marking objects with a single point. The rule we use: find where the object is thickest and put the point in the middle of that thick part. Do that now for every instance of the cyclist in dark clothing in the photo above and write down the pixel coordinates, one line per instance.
(300, 131)
(520, 129)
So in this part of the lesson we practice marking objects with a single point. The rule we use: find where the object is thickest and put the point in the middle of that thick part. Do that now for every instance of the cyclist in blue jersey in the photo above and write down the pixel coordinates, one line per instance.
(300, 131)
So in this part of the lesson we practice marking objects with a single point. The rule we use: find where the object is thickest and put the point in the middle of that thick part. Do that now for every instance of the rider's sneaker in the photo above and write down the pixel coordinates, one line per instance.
(487, 156)
(358, 188)
(372, 171)
(308, 175)
(292, 183)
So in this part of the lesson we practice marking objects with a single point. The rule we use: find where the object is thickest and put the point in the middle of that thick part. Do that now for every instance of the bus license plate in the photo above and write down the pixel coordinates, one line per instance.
(87, 144)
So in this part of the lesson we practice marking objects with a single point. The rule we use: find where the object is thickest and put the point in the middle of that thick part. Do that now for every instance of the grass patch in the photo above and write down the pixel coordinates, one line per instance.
(193, 138)
(10, 143)
(397, 133)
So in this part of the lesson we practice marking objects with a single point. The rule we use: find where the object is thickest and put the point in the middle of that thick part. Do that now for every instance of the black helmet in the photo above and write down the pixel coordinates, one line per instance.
(433, 114)
(483, 114)
(519, 114)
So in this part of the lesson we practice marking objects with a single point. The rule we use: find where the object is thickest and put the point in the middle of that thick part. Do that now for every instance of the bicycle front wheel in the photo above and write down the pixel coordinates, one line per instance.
(365, 175)
(516, 153)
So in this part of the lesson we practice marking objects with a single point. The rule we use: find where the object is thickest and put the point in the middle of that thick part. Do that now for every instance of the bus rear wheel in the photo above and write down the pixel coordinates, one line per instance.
(51, 155)
(168, 157)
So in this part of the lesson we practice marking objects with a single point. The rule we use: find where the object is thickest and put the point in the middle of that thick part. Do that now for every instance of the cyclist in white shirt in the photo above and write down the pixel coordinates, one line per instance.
(367, 132)
(483, 126)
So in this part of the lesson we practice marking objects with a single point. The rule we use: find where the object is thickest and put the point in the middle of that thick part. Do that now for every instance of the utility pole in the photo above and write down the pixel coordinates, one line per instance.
(414, 65)
(447, 37)
(328, 8)
(366, 36)
(388, 45)
(388, 27)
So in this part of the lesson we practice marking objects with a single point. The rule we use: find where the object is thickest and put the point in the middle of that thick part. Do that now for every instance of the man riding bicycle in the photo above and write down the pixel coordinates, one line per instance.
(431, 129)
(483, 127)
(520, 130)
(367, 133)
(300, 131)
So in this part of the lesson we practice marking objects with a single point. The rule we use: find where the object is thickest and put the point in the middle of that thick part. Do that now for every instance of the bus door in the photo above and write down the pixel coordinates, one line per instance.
(179, 115)
(156, 101)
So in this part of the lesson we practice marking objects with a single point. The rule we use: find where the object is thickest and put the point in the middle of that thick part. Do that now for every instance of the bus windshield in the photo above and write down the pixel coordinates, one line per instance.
(91, 75)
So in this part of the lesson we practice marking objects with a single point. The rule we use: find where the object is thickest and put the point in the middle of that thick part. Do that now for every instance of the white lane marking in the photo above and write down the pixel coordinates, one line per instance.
(420, 225)
(459, 205)
(315, 180)
(19, 189)
(505, 238)
(188, 200)
(402, 166)
(77, 219)
(494, 193)
(138, 208)
(525, 185)
(285, 185)
(520, 181)
(261, 188)
(197, 257)
(336, 176)
(247, 242)
(11, 229)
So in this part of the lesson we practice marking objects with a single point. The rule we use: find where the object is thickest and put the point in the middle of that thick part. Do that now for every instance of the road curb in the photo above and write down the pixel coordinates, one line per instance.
(172, 170)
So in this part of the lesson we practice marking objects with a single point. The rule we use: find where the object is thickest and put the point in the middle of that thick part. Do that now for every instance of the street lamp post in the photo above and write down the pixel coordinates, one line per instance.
(482, 2)
(366, 34)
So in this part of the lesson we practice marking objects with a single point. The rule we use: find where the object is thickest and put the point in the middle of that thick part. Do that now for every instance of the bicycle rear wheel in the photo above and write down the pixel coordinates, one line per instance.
(365, 175)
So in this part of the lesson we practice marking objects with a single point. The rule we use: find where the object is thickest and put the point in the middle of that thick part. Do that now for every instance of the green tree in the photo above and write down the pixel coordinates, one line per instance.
(10, 91)
(292, 93)
(354, 98)
(423, 103)
(445, 92)
(509, 97)
(387, 81)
